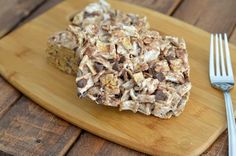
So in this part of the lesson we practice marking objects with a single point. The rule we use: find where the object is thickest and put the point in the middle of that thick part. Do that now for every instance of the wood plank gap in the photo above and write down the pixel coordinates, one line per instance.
(8, 96)
(48, 4)
(176, 8)
(232, 38)
(163, 6)
(93, 145)
(232, 33)
(17, 20)
(74, 143)
(10, 106)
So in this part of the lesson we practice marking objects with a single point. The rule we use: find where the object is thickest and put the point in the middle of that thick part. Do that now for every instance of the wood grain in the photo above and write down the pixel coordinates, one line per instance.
(211, 15)
(8, 95)
(12, 12)
(204, 14)
(27, 129)
(219, 138)
(220, 147)
(163, 6)
(4, 154)
(90, 144)
(48, 4)
(233, 37)
(94, 145)
(189, 134)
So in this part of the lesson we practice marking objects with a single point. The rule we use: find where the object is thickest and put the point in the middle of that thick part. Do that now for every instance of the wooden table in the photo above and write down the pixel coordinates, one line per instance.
(28, 129)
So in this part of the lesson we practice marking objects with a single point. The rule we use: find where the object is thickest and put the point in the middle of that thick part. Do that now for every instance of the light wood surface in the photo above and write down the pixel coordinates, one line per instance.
(22, 62)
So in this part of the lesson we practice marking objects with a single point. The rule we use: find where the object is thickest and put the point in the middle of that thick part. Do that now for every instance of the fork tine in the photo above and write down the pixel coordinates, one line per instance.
(211, 65)
(228, 59)
(217, 64)
(222, 57)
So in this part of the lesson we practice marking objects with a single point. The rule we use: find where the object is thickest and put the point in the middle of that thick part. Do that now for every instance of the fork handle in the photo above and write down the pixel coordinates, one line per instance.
(231, 124)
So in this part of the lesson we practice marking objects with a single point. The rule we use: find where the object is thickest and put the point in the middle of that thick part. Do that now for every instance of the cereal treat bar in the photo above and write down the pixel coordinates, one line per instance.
(119, 62)
(64, 47)
(140, 71)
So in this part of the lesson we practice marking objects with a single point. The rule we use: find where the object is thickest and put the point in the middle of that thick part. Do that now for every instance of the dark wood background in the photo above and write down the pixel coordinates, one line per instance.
(28, 129)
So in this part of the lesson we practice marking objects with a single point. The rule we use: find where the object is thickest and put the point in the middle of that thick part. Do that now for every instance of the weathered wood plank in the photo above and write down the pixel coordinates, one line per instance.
(90, 144)
(41, 9)
(210, 15)
(27, 129)
(4, 154)
(12, 12)
(8, 95)
(164, 6)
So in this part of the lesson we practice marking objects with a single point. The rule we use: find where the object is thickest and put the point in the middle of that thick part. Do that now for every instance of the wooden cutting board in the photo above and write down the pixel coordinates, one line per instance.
(23, 64)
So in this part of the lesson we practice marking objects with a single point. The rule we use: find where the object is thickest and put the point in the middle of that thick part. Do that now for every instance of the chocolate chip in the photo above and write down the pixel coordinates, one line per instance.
(161, 57)
(116, 66)
(126, 76)
(159, 95)
(86, 14)
(98, 66)
(71, 19)
(81, 83)
(118, 96)
(79, 60)
(160, 76)
(84, 42)
(151, 71)
(81, 95)
(99, 99)
(75, 48)
(88, 51)
(170, 57)
(38, 141)
(122, 59)
(111, 60)
(186, 76)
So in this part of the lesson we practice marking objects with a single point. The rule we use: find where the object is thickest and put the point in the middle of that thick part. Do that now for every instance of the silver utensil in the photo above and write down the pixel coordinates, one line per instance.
(221, 77)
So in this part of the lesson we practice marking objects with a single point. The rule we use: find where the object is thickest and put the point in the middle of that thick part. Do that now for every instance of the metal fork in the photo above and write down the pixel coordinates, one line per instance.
(221, 77)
